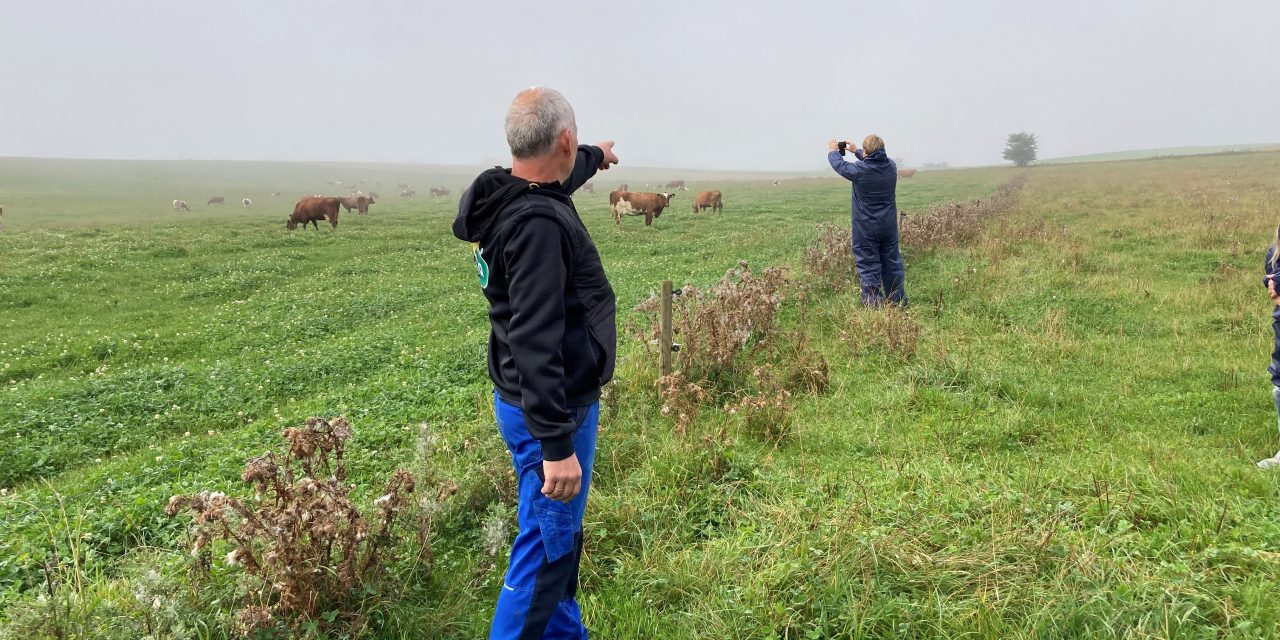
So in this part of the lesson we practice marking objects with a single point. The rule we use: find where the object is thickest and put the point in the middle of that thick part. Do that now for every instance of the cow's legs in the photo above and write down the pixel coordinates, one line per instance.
(648, 218)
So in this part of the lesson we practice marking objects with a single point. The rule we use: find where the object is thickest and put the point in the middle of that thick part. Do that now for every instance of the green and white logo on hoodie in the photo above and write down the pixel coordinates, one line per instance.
(482, 267)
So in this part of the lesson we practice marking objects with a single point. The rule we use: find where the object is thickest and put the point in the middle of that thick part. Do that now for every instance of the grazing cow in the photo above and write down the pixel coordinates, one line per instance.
(906, 173)
(408, 193)
(708, 200)
(676, 184)
(439, 191)
(359, 203)
(181, 205)
(650, 205)
(246, 202)
(775, 183)
(312, 210)
(215, 200)
(588, 187)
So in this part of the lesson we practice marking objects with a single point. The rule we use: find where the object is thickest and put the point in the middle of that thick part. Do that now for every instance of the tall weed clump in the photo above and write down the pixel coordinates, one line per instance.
(715, 327)
(720, 331)
(952, 223)
(828, 260)
(305, 548)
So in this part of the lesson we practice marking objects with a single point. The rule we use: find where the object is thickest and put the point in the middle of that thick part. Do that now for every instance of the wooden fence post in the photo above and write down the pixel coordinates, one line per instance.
(664, 342)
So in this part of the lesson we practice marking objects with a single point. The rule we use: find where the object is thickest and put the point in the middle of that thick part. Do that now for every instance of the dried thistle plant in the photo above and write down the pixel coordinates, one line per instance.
(714, 326)
(767, 411)
(302, 539)
(681, 400)
(829, 258)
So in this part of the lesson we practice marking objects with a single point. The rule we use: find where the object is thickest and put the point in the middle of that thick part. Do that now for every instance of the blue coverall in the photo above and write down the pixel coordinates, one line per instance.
(875, 226)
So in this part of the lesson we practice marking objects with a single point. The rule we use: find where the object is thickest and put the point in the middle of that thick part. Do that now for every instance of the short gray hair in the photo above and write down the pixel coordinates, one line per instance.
(534, 120)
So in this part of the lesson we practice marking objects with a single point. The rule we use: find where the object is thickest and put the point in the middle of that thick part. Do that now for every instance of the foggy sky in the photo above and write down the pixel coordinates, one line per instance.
(727, 85)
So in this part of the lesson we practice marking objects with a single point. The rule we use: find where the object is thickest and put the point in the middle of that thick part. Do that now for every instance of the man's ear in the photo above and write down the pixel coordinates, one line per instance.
(566, 141)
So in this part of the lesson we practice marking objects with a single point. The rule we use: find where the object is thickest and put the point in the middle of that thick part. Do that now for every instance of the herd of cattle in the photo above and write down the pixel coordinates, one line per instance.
(311, 209)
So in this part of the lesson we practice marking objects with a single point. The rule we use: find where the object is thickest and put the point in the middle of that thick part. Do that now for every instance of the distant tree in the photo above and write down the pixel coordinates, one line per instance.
(1021, 148)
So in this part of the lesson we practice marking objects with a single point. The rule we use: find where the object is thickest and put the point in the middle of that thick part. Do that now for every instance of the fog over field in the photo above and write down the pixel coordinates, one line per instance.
(757, 86)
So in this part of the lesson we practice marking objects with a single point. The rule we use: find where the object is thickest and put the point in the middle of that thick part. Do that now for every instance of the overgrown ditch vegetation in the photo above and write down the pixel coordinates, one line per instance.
(1018, 454)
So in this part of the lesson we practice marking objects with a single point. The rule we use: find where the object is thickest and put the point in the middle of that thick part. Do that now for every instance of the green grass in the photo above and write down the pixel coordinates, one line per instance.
(1068, 452)
(1142, 154)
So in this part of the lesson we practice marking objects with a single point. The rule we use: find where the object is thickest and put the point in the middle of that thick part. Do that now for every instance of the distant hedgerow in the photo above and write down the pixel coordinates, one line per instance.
(952, 223)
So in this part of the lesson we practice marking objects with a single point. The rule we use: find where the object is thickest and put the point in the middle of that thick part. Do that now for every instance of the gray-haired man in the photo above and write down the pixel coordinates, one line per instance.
(551, 347)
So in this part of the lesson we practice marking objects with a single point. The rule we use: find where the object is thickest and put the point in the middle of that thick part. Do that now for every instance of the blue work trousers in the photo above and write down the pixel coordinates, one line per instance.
(876, 256)
(537, 597)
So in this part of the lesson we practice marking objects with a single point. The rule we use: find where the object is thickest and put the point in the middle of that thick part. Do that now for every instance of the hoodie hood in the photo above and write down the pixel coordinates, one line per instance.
(484, 200)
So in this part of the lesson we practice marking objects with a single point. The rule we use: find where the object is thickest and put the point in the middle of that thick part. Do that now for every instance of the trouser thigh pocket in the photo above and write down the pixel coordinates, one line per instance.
(557, 526)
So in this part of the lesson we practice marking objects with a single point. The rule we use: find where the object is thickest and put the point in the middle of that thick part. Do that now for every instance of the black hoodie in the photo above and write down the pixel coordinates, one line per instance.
(553, 340)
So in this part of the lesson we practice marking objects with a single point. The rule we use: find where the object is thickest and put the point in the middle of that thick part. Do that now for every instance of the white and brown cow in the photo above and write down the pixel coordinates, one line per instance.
(649, 205)
(181, 205)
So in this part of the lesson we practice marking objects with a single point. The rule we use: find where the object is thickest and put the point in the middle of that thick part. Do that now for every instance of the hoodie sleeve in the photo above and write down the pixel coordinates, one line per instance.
(537, 257)
(1267, 266)
(589, 159)
(850, 170)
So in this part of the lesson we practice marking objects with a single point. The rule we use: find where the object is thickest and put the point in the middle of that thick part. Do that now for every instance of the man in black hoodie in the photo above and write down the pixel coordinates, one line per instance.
(552, 346)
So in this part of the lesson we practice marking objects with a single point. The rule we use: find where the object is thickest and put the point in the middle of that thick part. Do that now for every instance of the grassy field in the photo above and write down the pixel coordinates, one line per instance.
(1066, 452)
(1142, 154)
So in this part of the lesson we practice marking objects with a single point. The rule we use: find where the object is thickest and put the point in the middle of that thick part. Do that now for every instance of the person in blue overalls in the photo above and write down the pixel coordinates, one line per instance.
(1270, 276)
(552, 346)
(875, 220)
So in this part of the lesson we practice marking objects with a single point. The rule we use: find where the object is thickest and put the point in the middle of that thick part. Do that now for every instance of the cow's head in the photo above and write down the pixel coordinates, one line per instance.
(291, 224)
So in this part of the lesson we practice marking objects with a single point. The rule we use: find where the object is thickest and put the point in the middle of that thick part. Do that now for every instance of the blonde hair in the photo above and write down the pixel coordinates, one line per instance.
(1275, 255)
(872, 144)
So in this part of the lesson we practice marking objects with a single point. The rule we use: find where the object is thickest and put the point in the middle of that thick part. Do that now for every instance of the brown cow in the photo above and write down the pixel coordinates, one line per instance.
(676, 184)
(650, 205)
(906, 173)
(215, 200)
(439, 191)
(408, 193)
(359, 203)
(314, 209)
(623, 187)
(708, 200)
